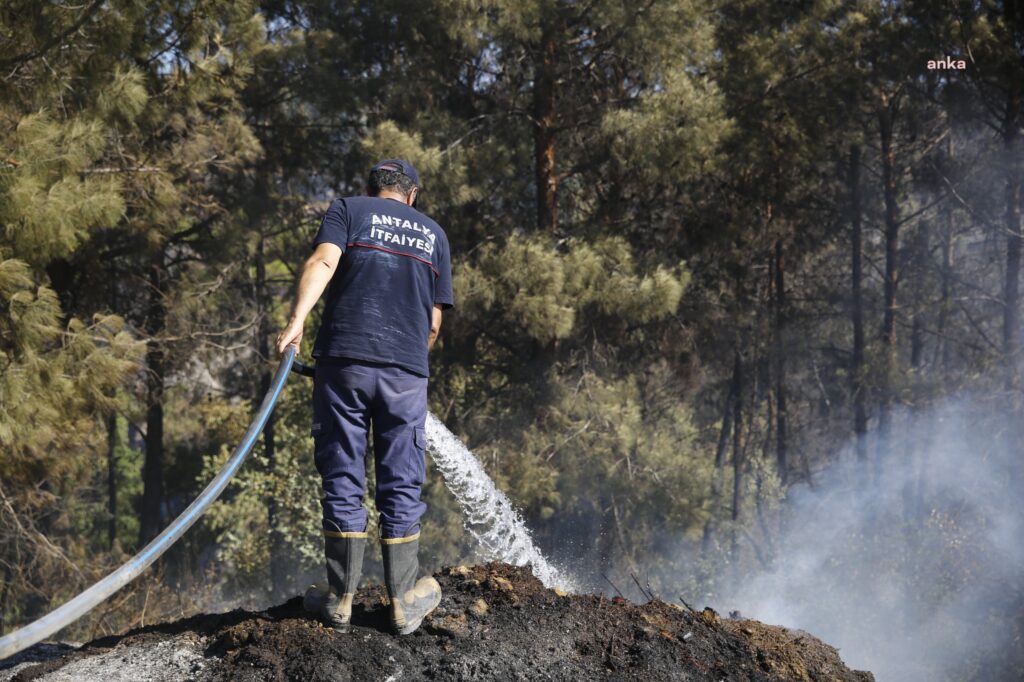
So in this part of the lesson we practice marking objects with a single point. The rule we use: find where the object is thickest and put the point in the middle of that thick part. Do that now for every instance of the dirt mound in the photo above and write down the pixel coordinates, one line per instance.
(495, 622)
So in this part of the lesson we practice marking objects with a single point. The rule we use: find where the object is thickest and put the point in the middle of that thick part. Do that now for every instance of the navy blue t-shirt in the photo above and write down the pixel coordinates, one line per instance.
(395, 266)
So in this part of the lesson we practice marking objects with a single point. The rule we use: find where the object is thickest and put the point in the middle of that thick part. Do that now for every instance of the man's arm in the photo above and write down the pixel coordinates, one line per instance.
(316, 273)
(435, 326)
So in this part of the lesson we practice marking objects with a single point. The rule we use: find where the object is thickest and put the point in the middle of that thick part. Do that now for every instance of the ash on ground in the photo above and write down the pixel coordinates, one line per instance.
(495, 622)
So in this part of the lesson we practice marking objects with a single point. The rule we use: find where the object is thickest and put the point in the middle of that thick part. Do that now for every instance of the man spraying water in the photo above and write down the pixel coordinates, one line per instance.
(389, 271)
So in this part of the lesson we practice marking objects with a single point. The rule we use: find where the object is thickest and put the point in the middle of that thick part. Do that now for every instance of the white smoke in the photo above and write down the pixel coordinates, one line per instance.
(918, 576)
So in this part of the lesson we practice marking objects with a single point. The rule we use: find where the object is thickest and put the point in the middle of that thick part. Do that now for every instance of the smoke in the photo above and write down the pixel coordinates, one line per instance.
(918, 575)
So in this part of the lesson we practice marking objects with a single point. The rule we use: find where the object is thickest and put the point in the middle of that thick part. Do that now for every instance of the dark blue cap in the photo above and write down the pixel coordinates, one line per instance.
(399, 165)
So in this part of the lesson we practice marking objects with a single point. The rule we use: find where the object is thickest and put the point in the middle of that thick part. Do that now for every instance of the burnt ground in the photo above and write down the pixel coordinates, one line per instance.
(495, 622)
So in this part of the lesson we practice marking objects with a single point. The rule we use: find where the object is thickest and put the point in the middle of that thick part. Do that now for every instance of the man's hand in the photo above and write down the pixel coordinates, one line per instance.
(435, 326)
(291, 336)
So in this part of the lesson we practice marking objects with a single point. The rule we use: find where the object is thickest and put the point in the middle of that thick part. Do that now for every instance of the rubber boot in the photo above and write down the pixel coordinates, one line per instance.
(411, 599)
(344, 552)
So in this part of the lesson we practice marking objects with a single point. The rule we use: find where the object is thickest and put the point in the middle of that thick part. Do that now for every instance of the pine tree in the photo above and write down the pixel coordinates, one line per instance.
(59, 370)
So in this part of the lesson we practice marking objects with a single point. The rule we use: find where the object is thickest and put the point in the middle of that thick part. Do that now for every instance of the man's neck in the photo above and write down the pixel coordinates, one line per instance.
(387, 194)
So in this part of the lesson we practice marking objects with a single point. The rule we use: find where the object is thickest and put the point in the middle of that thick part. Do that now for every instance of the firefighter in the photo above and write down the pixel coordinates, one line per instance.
(387, 271)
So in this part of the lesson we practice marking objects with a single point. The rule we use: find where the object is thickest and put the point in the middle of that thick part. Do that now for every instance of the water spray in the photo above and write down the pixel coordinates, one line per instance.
(490, 517)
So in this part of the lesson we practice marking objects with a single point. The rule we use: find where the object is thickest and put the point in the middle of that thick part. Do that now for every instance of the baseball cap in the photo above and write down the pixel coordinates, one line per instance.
(399, 165)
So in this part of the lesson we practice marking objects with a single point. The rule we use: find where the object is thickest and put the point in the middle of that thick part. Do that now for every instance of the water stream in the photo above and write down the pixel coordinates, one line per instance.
(490, 517)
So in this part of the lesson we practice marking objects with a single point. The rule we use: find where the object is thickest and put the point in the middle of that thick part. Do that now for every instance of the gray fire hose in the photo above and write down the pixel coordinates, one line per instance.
(68, 613)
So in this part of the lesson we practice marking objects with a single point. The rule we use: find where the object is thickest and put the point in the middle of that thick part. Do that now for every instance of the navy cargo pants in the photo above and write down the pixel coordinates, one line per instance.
(349, 398)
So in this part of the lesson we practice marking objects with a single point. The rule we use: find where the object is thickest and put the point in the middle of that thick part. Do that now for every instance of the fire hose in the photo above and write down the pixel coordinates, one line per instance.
(71, 611)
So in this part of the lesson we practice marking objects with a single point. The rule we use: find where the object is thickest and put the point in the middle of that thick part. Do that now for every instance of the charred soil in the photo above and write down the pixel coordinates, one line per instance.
(495, 622)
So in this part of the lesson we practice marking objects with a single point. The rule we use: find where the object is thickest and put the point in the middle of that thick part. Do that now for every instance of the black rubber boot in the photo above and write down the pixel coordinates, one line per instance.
(411, 599)
(344, 551)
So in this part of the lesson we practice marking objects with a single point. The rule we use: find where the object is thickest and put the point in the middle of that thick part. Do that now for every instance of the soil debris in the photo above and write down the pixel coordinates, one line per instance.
(495, 622)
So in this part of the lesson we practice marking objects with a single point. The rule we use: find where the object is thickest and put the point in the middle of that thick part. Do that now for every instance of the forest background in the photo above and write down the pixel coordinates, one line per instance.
(737, 297)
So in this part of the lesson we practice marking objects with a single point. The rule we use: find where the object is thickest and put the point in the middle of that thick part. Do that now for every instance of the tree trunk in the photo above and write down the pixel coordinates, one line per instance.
(892, 243)
(6, 586)
(544, 120)
(1012, 226)
(152, 475)
(921, 246)
(111, 479)
(943, 351)
(780, 360)
(606, 538)
(278, 566)
(1011, 295)
(860, 414)
(723, 446)
(917, 448)
(737, 456)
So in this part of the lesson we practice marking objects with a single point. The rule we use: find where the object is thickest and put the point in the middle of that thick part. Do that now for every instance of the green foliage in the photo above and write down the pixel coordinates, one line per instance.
(674, 134)
(449, 178)
(529, 284)
(630, 442)
(53, 378)
(239, 521)
(47, 208)
(107, 134)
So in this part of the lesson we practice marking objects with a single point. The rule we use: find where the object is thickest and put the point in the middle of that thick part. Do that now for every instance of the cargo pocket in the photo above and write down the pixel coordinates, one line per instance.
(420, 469)
(317, 427)
(321, 425)
(320, 428)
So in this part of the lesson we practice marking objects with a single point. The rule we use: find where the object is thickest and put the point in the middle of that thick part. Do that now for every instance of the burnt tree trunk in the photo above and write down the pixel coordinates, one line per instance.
(544, 122)
(917, 448)
(921, 246)
(152, 474)
(942, 354)
(780, 360)
(943, 351)
(720, 450)
(1012, 227)
(737, 456)
(1011, 294)
(892, 243)
(858, 389)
